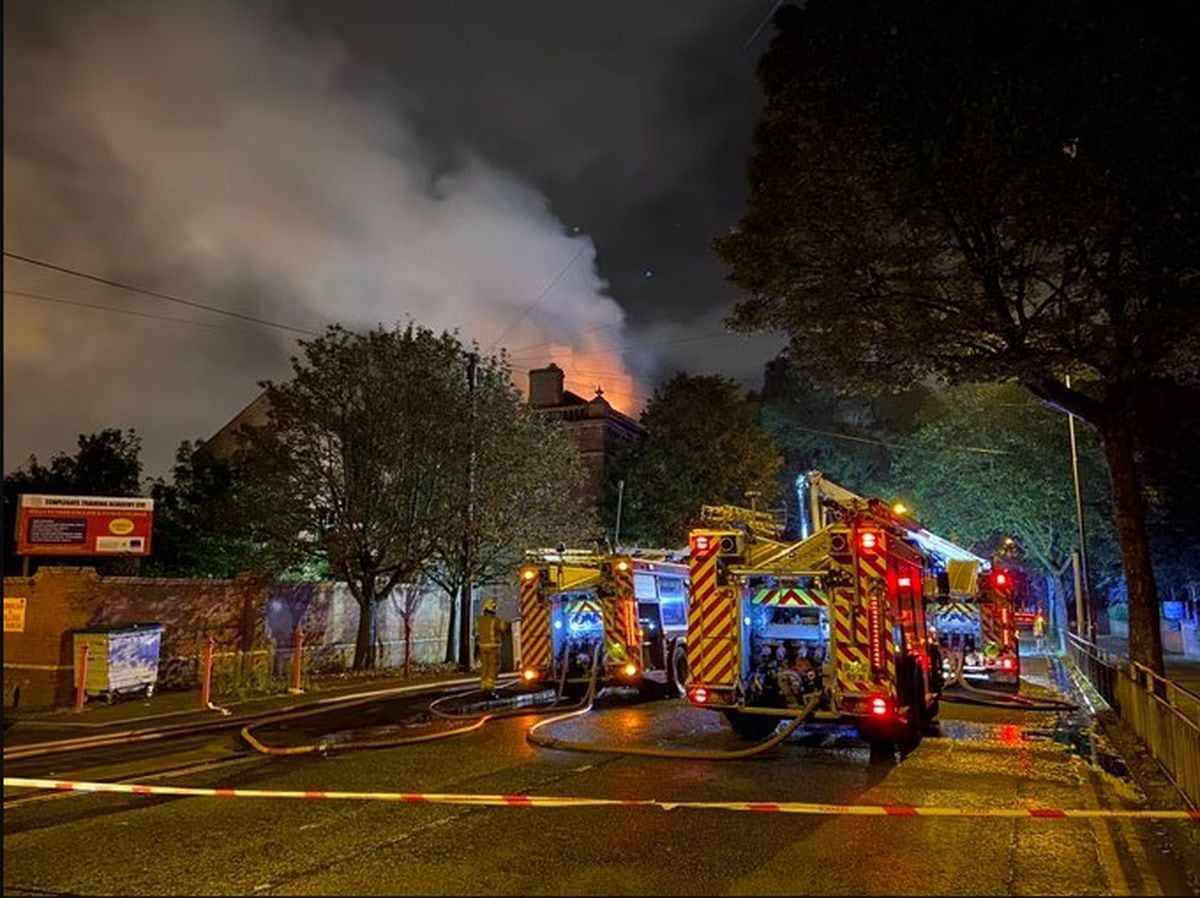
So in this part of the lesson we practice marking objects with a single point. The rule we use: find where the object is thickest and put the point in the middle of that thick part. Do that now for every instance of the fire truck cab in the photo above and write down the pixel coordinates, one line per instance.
(838, 617)
(632, 606)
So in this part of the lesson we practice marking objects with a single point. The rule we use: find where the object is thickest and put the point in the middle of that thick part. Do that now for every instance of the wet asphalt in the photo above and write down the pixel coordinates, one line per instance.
(982, 757)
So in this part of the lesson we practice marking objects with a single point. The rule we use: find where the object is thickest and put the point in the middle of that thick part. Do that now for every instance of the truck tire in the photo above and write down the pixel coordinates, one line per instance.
(918, 714)
(677, 671)
(751, 726)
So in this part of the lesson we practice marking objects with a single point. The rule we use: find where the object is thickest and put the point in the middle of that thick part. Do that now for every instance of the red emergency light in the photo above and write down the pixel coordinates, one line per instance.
(700, 695)
(868, 539)
(701, 543)
(879, 706)
(1000, 578)
(905, 581)
(1006, 663)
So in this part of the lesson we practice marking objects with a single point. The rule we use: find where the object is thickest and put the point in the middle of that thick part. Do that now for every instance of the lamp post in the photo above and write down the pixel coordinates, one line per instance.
(620, 499)
(1083, 606)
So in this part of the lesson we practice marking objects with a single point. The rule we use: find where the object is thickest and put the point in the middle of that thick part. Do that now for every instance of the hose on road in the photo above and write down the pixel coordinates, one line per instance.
(477, 720)
(686, 754)
(975, 696)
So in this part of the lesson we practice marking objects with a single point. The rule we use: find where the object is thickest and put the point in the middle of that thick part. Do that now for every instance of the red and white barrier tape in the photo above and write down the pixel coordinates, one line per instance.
(557, 801)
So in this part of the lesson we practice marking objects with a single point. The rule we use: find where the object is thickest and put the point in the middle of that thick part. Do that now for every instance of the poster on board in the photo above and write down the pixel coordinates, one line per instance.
(84, 525)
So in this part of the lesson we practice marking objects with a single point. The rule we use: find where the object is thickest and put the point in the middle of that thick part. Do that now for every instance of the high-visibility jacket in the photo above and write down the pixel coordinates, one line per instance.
(1039, 626)
(489, 630)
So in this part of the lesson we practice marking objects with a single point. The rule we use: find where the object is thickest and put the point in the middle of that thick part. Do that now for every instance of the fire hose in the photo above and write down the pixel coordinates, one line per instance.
(535, 738)
(978, 696)
(328, 744)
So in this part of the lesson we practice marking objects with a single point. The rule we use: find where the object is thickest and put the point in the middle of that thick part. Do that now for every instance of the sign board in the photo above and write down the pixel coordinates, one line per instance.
(84, 525)
(14, 615)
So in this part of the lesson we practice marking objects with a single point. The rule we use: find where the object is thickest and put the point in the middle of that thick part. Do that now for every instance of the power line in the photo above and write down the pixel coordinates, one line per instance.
(187, 302)
(983, 450)
(590, 372)
(588, 330)
(538, 299)
(87, 305)
(621, 350)
(766, 18)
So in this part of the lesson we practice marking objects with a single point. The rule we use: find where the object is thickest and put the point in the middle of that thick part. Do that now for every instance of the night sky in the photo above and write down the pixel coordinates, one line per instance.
(364, 162)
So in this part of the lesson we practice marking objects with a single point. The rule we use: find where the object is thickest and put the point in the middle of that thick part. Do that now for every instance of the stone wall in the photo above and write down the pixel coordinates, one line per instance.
(251, 620)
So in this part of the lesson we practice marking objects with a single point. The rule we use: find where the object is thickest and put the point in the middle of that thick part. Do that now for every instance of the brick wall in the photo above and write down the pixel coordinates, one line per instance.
(252, 621)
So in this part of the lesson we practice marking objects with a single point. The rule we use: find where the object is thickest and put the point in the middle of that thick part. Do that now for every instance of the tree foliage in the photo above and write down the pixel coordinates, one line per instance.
(986, 462)
(963, 192)
(703, 446)
(366, 439)
(107, 463)
(209, 518)
(816, 427)
(526, 493)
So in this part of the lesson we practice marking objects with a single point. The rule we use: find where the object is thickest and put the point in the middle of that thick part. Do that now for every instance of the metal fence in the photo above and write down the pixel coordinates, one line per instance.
(1164, 715)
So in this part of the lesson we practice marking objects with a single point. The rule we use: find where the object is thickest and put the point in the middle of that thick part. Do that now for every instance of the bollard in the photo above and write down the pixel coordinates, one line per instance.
(297, 661)
(206, 682)
(81, 685)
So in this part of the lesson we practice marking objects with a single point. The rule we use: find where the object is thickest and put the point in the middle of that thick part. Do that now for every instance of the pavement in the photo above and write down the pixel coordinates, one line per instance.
(57, 843)
(184, 708)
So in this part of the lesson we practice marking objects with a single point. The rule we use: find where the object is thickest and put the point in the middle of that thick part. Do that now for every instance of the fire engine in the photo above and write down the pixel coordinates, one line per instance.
(976, 626)
(632, 605)
(840, 614)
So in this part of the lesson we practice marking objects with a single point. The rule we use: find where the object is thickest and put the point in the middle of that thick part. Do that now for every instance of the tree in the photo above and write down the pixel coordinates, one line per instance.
(203, 525)
(816, 427)
(703, 446)
(107, 463)
(407, 601)
(952, 192)
(366, 438)
(987, 463)
(527, 479)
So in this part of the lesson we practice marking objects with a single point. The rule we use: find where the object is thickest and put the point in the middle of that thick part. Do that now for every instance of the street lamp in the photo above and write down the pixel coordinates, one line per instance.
(1083, 607)
(620, 498)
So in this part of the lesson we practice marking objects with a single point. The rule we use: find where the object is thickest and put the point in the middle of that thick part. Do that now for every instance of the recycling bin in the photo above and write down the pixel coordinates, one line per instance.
(121, 659)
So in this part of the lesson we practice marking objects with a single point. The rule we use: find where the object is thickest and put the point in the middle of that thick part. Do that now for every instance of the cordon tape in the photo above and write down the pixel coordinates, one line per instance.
(559, 801)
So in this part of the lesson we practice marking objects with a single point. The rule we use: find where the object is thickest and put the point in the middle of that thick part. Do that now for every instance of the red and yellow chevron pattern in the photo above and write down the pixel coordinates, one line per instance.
(535, 622)
(954, 607)
(791, 598)
(851, 663)
(712, 623)
(620, 610)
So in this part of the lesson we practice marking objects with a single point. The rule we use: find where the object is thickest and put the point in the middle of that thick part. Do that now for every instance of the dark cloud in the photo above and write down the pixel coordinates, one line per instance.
(363, 162)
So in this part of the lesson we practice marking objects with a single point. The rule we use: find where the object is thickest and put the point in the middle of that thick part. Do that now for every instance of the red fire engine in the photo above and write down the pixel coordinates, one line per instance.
(633, 605)
(976, 627)
(839, 615)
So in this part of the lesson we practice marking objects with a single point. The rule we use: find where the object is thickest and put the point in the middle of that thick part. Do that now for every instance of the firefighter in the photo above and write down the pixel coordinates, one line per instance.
(488, 631)
(1039, 631)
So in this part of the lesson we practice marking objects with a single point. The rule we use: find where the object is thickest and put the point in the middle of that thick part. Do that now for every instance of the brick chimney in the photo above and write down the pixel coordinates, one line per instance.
(546, 386)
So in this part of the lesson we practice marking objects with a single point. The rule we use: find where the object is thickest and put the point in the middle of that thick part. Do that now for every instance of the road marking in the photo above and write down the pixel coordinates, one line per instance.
(559, 801)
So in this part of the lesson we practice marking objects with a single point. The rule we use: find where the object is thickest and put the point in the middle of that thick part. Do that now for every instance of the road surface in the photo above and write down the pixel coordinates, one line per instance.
(983, 757)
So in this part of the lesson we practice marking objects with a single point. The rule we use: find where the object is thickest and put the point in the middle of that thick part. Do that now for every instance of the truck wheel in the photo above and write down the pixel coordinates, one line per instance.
(918, 716)
(751, 726)
(677, 672)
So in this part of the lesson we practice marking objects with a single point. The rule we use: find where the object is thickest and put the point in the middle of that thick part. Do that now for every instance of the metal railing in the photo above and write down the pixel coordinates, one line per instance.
(1164, 715)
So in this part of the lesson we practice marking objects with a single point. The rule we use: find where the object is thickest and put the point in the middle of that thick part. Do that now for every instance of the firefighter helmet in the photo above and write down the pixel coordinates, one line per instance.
(489, 606)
